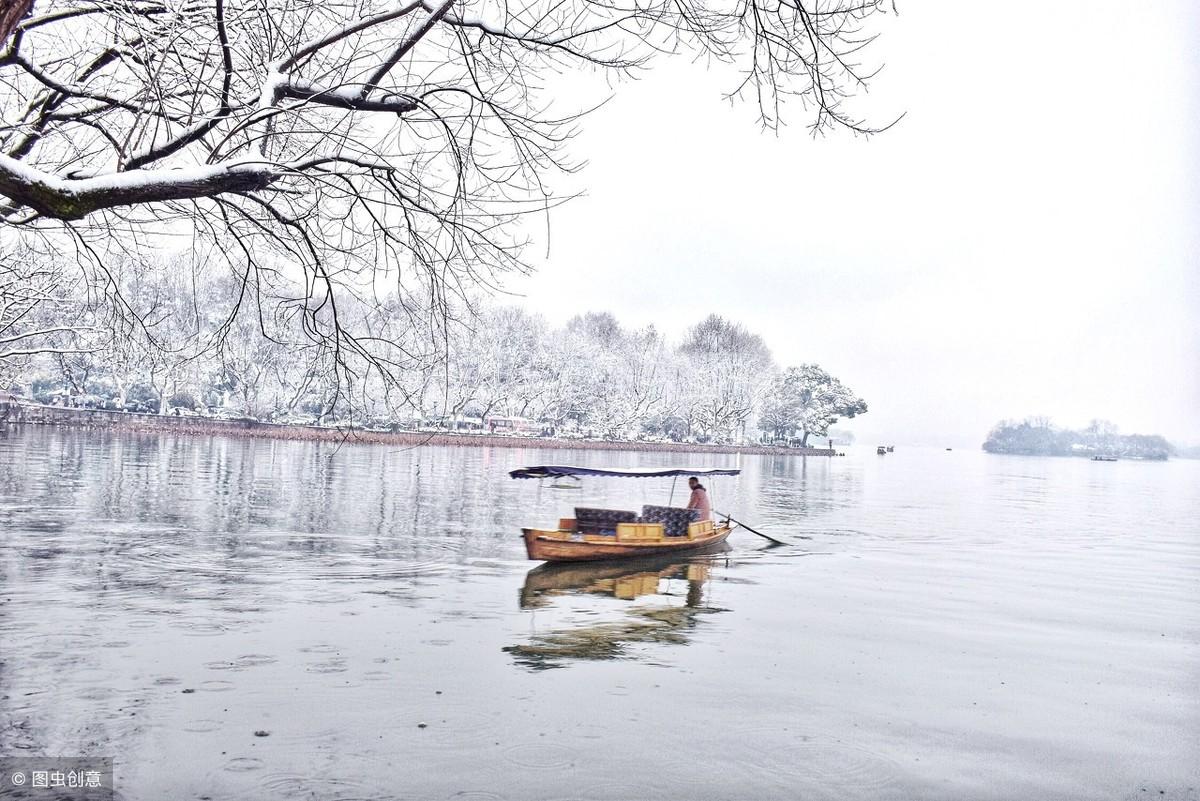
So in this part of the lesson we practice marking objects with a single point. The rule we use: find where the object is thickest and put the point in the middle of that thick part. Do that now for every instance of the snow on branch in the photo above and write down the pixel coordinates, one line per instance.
(74, 199)
(348, 97)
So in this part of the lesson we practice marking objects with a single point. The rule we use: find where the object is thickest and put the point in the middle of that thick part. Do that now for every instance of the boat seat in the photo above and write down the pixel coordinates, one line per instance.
(675, 520)
(601, 521)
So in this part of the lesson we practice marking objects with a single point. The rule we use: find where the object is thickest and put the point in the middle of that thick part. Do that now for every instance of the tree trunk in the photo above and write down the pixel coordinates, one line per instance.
(168, 390)
(11, 12)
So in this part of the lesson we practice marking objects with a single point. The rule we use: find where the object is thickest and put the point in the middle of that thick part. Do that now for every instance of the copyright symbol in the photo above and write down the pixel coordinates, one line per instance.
(18, 779)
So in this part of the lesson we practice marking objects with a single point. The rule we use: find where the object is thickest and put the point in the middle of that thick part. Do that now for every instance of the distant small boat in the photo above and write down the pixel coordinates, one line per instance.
(891, 448)
(881, 450)
(1104, 458)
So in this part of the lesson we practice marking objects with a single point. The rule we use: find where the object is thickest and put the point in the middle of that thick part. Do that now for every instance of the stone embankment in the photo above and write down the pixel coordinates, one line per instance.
(28, 413)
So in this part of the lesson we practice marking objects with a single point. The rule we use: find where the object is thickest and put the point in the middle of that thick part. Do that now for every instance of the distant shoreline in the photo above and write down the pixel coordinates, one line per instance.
(1086, 456)
(134, 422)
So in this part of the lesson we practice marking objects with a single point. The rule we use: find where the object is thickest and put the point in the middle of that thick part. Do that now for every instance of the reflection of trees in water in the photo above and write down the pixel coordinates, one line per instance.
(639, 625)
(273, 508)
(213, 531)
(800, 486)
(55, 502)
(663, 626)
(320, 497)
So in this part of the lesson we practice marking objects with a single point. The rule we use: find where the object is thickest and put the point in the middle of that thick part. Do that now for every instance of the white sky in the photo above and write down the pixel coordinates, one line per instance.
(1024, 242)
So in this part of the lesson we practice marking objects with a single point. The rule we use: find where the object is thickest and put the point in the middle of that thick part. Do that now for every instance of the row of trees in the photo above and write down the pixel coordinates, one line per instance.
(176, 345)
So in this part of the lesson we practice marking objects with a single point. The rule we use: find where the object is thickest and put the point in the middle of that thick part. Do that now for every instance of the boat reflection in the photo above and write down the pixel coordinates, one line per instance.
(669, 595)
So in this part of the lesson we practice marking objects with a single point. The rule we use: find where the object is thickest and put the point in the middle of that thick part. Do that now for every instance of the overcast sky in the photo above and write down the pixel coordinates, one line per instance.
(1023, 242)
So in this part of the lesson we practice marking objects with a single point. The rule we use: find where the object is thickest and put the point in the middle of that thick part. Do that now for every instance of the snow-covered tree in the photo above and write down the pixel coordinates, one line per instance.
(723, 370)
(1101, 435)
(252, 349)
(581, 367)
(643, 387)
(40, 311)
(808, 400)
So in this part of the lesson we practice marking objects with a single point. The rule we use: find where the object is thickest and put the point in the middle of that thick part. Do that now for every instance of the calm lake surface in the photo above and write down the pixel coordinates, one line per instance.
(949, 625)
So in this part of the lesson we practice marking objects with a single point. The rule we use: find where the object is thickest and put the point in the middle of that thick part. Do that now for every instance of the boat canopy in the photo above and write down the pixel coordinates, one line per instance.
(564, 471)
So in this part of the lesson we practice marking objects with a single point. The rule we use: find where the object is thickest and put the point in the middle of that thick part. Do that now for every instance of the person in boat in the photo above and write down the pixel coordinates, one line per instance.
(699, 500)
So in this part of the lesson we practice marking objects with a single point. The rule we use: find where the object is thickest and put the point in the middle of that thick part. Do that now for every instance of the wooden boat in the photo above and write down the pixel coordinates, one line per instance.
(566, 544)
(1104, 458)
(611, 534)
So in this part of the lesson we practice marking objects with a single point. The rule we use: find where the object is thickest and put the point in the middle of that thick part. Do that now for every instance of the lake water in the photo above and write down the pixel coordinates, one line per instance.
(947, 625)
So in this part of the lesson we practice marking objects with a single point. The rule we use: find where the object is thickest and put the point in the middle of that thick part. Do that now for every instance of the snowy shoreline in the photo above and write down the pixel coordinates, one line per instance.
(104, 419)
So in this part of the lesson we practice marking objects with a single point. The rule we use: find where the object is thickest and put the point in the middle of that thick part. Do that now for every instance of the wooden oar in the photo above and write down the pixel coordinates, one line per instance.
(752, 530)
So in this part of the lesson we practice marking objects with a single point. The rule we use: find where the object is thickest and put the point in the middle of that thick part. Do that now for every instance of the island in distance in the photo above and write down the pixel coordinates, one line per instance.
(1037, 436)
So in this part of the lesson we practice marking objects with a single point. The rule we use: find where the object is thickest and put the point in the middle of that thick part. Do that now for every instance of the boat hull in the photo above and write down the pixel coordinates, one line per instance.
(557, 546)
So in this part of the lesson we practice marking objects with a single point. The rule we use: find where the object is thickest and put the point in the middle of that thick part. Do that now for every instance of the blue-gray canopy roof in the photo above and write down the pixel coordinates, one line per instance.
(565, 471)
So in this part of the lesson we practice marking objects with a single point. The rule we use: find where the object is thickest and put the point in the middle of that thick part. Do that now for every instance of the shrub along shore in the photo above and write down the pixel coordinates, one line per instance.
(254, 429)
